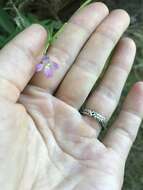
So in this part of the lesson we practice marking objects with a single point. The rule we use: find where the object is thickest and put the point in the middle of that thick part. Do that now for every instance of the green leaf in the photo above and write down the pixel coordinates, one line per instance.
(4, 41)
(32, 18)
(6, 22)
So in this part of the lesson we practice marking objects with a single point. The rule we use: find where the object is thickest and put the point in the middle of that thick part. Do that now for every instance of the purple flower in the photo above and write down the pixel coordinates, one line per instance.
(48, 66)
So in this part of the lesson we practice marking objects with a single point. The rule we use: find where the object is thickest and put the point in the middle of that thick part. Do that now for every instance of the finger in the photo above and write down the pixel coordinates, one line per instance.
(105, 98)
(82, 76)
(18, 59)
(70, 41)
(124, 131)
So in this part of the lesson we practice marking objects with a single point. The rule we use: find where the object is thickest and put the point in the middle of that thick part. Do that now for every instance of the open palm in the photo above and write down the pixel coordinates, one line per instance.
(45, 143)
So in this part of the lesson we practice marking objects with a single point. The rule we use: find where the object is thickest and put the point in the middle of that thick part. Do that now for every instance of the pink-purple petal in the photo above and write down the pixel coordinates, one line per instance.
(45, 58)
(48, 72)
(55, 65)
(39, 67)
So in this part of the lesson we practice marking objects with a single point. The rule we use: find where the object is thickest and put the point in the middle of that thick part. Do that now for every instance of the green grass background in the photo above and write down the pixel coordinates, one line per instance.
(52, 14)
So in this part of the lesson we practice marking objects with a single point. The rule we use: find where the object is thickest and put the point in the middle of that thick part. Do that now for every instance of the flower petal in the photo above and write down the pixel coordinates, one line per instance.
(55, 65)
(48, 72)
(39, 67)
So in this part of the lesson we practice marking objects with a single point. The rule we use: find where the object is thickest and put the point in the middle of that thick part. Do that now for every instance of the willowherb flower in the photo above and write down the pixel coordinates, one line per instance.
(47, 66)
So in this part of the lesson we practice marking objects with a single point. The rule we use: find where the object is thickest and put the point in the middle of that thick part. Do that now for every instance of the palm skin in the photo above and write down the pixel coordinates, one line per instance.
(59, 152)
(45, 143)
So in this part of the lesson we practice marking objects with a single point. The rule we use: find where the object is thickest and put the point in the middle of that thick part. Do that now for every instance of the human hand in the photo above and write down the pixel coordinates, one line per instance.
(45, 143)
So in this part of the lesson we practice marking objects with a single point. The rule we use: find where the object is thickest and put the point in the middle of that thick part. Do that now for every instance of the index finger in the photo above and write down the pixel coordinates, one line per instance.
(18, 59)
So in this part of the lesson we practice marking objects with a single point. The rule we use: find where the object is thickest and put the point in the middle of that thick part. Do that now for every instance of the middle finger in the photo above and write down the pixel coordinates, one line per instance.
(81, 78)
(69, 42)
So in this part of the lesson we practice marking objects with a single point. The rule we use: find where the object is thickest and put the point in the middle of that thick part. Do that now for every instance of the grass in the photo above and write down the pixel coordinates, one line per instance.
(15, 15)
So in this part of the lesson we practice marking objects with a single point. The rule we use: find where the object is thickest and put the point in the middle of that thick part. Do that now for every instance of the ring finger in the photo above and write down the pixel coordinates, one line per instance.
(105, 98)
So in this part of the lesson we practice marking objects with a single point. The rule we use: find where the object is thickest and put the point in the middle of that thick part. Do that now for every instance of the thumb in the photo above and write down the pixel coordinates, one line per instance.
(18, 59)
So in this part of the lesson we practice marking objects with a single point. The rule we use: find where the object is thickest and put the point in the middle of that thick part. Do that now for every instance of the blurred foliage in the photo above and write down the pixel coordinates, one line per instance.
(15, 15)
(14, 18)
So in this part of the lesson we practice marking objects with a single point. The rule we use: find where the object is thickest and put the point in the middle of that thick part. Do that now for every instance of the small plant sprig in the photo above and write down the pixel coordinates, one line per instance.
(12, 25)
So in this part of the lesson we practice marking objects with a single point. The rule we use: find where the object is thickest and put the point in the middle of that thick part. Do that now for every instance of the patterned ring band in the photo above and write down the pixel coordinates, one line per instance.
(99, 118)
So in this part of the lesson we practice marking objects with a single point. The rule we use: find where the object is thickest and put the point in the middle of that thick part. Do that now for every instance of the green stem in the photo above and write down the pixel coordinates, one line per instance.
(54, 37)
(61, 29)
(84, 4)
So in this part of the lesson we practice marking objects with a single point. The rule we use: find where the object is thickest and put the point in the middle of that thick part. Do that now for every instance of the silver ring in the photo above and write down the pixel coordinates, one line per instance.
(99, 118)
